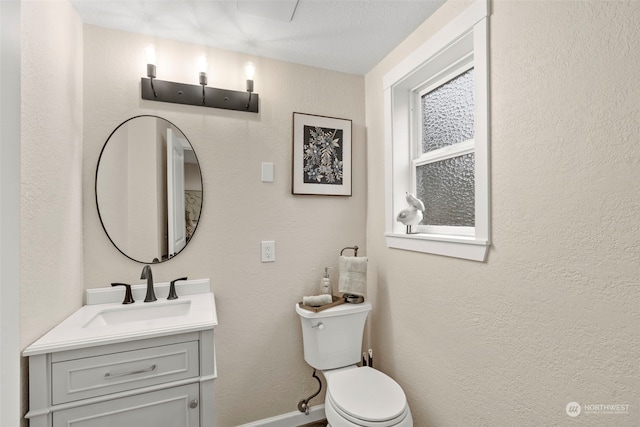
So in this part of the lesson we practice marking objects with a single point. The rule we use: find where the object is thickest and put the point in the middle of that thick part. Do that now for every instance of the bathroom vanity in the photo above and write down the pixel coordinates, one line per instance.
(141, 364)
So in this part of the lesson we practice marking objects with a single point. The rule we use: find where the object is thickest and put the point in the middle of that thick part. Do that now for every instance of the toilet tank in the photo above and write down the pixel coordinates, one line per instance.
(333, 337)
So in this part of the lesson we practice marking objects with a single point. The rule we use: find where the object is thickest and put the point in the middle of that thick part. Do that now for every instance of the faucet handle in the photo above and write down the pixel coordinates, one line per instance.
(172, 288)
(128, 297)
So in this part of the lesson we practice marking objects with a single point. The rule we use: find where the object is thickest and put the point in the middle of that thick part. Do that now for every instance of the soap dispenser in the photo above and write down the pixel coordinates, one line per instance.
(325, 283)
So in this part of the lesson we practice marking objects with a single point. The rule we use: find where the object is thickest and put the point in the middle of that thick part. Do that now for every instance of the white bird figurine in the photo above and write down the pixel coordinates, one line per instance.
(414, 202)
(413, 215)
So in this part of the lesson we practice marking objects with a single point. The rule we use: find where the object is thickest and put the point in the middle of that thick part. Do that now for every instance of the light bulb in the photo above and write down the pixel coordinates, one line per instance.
(151, 55)
(151, 62)
(202, 66)
(202, 63)
(249, 70)
(151, 66)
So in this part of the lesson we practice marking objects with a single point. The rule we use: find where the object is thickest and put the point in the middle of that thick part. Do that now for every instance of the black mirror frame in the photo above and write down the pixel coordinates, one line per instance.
(155, 260)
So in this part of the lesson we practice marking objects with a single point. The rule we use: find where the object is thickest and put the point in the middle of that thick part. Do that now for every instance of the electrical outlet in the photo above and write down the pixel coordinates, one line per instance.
(268, 251)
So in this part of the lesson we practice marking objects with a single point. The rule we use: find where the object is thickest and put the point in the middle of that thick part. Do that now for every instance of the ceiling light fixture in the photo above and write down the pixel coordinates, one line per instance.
(199, 95)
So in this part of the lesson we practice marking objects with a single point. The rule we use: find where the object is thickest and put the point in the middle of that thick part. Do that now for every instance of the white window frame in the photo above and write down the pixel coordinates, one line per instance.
(461, 44)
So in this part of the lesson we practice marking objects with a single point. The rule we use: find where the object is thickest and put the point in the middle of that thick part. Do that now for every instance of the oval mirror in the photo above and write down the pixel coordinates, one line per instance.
(148, 189)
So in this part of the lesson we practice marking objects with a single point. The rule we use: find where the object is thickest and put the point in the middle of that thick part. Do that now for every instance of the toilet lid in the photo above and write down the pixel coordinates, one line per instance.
(367, 395)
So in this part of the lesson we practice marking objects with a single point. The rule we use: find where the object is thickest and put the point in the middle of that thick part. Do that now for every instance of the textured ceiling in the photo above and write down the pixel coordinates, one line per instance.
(351, 36)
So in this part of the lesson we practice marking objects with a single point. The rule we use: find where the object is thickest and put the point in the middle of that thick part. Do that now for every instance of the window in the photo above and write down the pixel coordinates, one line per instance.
(443, 166)
(437, 142)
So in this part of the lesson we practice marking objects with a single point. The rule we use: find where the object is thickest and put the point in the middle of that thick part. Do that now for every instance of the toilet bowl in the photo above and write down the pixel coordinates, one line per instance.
(364, 397)
(356, 396)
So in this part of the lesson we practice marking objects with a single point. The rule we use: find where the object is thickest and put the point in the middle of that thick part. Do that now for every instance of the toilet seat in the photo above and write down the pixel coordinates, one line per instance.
(366, 397)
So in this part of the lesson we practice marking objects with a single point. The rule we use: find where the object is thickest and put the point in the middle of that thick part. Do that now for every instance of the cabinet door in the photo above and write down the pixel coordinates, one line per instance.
(163, 408)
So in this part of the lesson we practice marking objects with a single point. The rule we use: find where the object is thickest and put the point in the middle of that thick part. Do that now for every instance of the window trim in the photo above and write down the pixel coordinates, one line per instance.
(463, 40)
(444, 153)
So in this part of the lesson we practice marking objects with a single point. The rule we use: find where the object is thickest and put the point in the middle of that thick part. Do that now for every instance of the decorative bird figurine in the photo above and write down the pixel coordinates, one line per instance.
(414, 202)
(413, 215)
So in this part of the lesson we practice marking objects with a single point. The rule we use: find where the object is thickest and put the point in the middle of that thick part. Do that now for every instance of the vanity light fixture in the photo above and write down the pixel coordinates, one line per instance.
(199, 95)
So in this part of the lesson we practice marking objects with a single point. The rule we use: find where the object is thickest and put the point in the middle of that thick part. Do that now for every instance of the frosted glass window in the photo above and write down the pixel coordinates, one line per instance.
(447, 189)
(448, 112)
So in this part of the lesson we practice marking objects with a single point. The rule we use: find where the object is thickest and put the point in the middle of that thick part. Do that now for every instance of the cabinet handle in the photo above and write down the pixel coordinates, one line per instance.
(193, 404)
(109, 375)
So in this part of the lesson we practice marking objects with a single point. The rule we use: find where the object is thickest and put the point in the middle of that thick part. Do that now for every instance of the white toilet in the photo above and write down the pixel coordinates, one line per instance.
(356, 396)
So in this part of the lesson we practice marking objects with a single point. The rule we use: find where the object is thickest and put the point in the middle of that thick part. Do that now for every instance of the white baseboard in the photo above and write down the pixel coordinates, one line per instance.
(291, 419)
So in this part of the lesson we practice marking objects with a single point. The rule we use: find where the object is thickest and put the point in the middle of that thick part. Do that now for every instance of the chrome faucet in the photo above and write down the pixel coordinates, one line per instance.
(146, 274)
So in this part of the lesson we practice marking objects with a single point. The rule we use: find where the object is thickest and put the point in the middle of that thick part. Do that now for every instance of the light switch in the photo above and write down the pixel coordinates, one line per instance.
(267, 172)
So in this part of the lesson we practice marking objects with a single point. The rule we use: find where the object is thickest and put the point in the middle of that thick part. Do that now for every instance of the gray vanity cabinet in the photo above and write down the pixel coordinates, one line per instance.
(165, 381)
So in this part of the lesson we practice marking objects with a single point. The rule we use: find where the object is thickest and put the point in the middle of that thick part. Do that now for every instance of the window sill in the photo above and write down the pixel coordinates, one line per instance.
(452, 246)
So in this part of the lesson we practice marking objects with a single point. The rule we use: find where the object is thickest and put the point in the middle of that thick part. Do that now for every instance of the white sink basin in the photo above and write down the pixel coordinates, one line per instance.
(137, 312)
(105, 320)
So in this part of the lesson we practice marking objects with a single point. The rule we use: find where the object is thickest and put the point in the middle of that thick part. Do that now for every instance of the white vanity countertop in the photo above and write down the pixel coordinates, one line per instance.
(105, 320)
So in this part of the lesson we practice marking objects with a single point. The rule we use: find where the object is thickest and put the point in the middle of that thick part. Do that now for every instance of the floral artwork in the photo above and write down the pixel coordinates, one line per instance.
(321, 155)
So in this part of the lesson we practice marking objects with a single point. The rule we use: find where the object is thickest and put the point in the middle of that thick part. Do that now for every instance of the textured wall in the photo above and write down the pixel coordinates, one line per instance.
(10, 410)
(51, 157)
(259, 349)
(552, 316)
(51, 168)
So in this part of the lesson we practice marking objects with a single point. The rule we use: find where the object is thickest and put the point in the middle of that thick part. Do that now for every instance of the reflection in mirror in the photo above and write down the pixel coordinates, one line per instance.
(148, 189)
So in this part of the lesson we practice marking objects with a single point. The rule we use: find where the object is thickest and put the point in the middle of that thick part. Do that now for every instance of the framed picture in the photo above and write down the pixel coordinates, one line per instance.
(321, 155)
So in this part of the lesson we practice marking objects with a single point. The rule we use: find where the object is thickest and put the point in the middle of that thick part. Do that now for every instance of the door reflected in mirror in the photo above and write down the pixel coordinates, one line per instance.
(148, 189)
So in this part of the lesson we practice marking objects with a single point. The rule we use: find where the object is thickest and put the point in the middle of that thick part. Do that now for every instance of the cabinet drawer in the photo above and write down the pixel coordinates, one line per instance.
(173, 407)
(99, 375)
